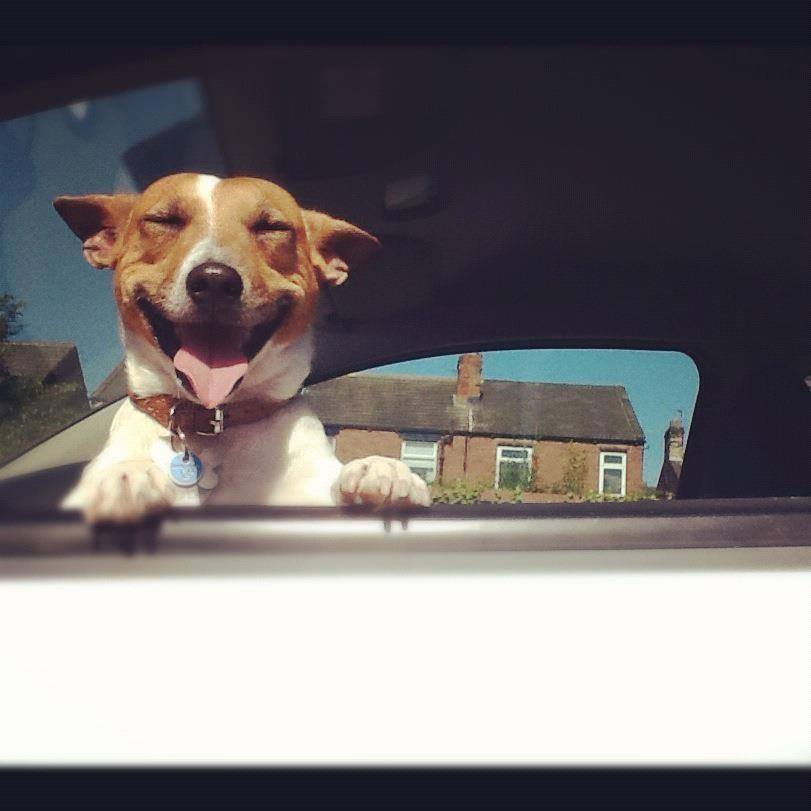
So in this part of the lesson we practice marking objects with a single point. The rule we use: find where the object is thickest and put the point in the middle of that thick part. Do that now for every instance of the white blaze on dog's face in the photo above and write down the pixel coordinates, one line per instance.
(210, 275)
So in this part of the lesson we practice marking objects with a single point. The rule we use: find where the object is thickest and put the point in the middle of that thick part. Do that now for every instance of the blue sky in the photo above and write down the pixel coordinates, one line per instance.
(659, 384)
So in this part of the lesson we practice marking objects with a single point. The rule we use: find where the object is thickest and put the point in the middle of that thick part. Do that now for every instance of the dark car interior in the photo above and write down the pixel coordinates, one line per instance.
(650, 197)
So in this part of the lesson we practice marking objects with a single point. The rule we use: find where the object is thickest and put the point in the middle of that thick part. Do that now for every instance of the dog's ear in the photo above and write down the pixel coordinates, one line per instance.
(336, 246)
(97, 219)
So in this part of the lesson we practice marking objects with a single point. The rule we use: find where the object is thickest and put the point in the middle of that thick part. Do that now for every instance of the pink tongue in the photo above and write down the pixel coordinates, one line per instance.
(213, 362)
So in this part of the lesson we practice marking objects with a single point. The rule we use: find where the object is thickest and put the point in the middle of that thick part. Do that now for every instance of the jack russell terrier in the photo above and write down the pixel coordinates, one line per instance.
(216, 282)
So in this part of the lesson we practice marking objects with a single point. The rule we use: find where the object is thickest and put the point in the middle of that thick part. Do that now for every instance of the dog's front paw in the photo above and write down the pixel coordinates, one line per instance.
(379, 480)
(122, 493)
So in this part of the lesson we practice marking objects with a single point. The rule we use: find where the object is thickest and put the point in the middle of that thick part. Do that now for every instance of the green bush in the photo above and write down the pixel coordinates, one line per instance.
(462, 492)
(458, 492)
(645, 494)
(31, 412)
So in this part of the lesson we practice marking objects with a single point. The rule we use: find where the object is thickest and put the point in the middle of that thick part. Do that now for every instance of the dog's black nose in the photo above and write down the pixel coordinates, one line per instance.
(213, 283)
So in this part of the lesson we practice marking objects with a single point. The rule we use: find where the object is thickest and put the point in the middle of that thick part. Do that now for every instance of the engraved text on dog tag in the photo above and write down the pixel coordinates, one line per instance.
(185, 469)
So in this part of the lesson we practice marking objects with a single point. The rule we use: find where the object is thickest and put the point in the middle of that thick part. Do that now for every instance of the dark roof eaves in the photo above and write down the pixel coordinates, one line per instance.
(46, 344)
(553, 438)
(615, 440)
(366, 426)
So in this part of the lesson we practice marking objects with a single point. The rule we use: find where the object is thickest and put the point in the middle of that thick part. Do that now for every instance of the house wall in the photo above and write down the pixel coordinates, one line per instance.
(553, 456)
(474, 458)
(354, 443)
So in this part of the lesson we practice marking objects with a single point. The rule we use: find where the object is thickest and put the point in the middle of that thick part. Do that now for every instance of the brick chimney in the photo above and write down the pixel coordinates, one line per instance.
(674, 441)
(468, 378)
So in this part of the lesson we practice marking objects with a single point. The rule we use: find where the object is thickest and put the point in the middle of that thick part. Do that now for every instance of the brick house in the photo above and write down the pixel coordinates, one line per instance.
(500, 433)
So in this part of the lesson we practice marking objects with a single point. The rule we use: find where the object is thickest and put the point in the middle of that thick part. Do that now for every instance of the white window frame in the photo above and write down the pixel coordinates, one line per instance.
(499, 457)
(622, 466)
(405, 457)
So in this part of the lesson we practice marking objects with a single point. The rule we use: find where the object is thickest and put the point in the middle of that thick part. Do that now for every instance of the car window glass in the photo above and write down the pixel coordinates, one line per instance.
(538, 425)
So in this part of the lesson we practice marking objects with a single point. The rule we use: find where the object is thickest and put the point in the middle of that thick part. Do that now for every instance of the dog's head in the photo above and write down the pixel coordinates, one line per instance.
(209, 272)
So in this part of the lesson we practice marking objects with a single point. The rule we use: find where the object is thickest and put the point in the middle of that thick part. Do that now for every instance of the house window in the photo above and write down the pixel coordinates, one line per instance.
(612, 473)
(420, 456)
(513, 467)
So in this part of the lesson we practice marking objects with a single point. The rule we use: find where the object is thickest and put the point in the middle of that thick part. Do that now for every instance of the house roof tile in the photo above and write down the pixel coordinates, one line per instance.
(506, 408)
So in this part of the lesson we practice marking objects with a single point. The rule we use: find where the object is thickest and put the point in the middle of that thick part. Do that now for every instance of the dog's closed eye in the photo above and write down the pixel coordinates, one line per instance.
(167, 220)
(267, 224)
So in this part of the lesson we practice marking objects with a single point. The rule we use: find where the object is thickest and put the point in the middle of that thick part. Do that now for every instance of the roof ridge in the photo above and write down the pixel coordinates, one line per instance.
(555, 383)
(451, 379)
(38, 343)
(385, 376)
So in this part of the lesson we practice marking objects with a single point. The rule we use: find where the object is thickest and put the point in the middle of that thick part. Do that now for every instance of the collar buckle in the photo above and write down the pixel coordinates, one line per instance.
(217, 424)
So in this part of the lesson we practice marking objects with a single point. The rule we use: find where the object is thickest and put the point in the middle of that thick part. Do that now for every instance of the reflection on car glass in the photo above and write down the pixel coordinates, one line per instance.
(58, 328)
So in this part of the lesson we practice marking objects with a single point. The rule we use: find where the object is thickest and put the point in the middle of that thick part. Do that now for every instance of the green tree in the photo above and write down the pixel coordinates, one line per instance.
(10, 316)
(10, 324)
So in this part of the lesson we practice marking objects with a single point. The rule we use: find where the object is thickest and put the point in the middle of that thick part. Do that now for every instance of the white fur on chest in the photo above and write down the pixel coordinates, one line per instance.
(284, 459)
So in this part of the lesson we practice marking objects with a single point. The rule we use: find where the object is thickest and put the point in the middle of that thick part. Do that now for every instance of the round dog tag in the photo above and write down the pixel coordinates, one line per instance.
(185, 469)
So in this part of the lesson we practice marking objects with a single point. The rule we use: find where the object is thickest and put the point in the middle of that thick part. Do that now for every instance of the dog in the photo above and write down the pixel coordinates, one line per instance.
(216, 282)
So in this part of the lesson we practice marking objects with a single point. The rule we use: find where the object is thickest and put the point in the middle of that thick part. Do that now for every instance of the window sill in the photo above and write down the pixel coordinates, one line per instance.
(444, 528)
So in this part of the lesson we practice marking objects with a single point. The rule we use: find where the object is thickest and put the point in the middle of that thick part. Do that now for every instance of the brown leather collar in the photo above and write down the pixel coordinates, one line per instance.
(192, 418)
